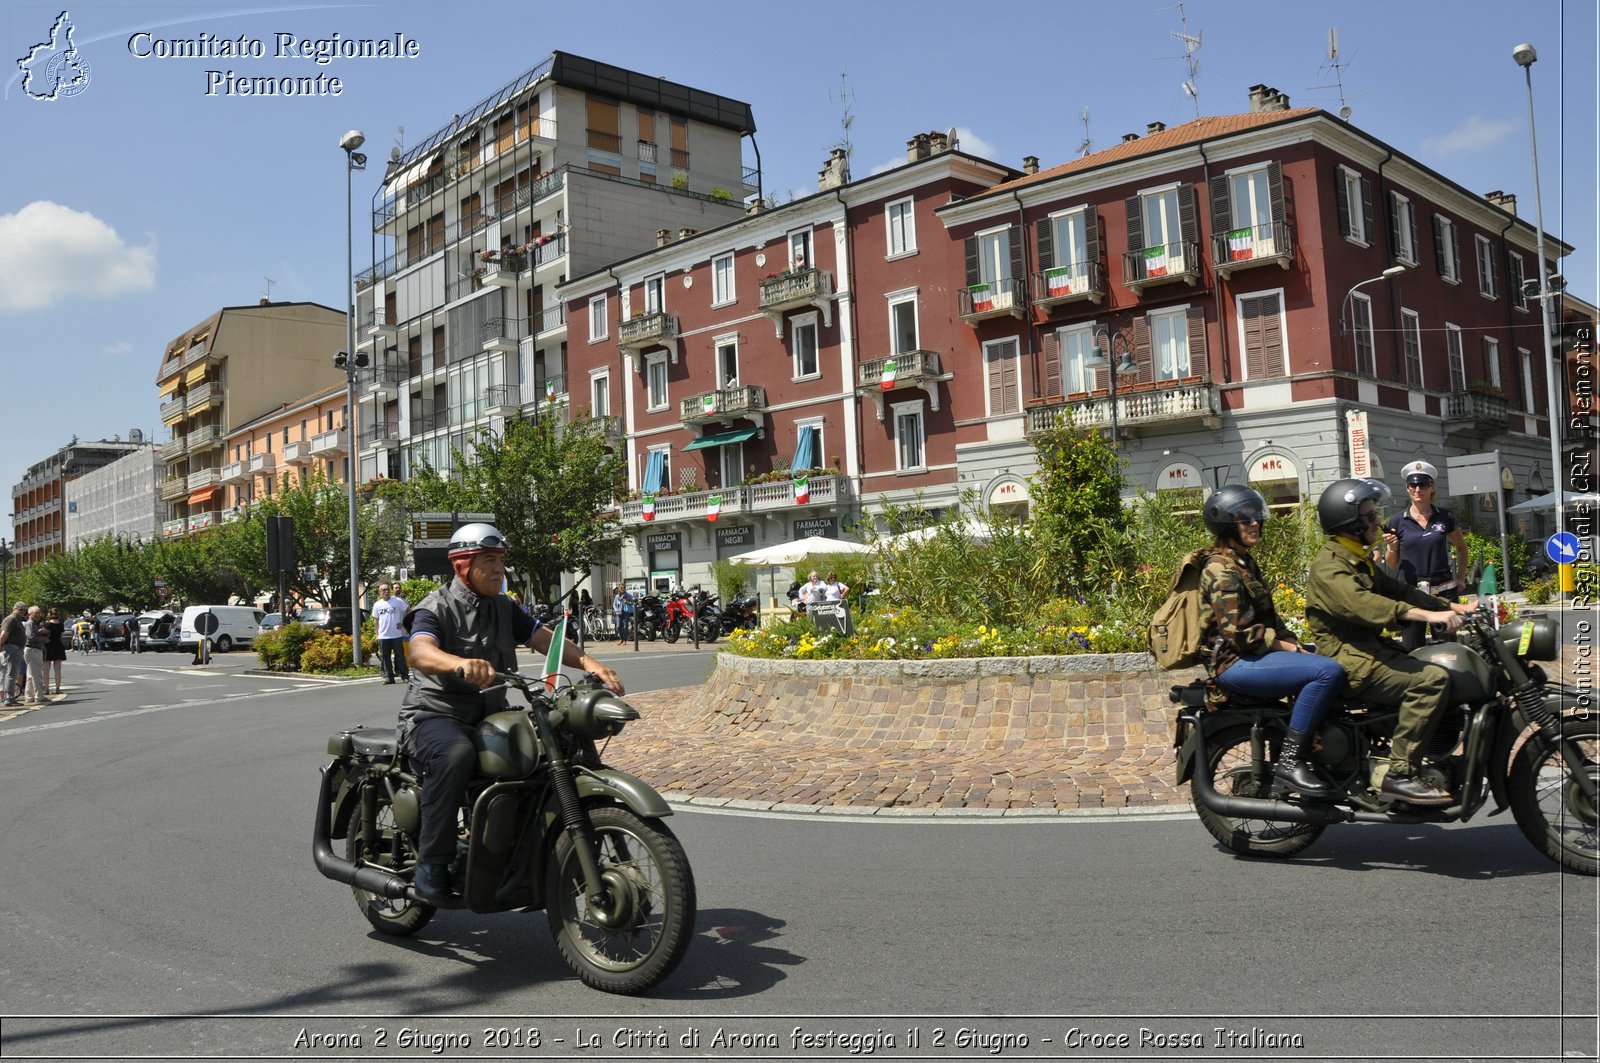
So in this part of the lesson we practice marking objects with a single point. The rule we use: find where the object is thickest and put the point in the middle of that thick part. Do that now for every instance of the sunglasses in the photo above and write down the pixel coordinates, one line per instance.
(1423, 484)
(488, 542)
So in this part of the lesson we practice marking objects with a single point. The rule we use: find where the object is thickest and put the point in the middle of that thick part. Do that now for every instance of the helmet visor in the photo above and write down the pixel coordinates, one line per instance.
(1250, 509)
(482, 542)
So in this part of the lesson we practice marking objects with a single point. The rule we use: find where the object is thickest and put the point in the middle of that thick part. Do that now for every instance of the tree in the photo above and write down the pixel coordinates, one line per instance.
(1077, 496)
(549, 483)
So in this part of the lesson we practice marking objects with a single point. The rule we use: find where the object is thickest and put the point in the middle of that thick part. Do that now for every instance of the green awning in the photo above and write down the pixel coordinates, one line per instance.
(722, 439)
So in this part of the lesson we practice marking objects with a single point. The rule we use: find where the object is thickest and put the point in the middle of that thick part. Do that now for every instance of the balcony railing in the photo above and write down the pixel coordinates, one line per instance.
(174, 488)
(680, 159)
(506, 270)
(910, 369)
(610, 426)
(1066, 284)
(1170, 404)
(1161, 264)
(201, 479)
(174, 410)
(647, 330)
(1473, 414)
(379, 325)
(724, 404)
(381, 434)
(979, 302)
(416, 192)
(689, 506)
(822, 490)
(263, 464)
(234, 473)
(551, 388)
(502, 400)
(500, 334)
(647, 151)
(297, 453)
(549, 250)
(330, 444)
(1255, 245)
(202, 394)
(795, 289)
(601, 141)
(204, 438)
(175, 447)
(552, 318)
(386, 379)
(204, 519)
(171, 529)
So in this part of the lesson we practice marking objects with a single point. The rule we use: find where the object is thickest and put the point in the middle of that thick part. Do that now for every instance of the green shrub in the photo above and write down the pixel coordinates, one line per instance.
(326, 653)
(280, 650)
(1540, 591)
(299, 647)
(417, 588)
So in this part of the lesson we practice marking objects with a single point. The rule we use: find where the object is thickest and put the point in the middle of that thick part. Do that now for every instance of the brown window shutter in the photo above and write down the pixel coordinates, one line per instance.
(1272, 335)
(996, 369)
(1092, 246)
(1135, 208)
(1438, 244)
(1045, 238)
(1394, 221)
(1221, 204)
(1018, 272)
(1053, 386)
(1143, 352)
(1189, 213)
(1275, 194)
(1342, 193)
(1411, 223)
(1199, 363)
(1455, 252)
(972, 261)
(1366, 206)
(1254, 342)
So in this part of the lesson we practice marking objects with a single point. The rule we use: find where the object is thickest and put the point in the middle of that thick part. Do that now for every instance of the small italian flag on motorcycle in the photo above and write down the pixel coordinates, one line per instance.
(552, 660)
(713, 507)
(649, 507)
(802, 490)
(886, 381)
(708, 403)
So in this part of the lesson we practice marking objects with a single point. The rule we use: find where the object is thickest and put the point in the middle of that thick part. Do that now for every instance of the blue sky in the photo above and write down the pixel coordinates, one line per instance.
(138, 206)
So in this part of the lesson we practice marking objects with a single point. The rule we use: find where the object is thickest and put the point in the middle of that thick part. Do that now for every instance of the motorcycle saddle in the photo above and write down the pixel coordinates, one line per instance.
(365, 741)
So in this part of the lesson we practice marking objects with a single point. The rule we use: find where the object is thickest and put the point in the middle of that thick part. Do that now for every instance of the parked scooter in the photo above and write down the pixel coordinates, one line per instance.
(650, 614)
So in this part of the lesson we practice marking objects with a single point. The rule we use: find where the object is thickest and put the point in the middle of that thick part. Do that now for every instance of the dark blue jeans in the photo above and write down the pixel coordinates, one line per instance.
(443, 754)
(1316, 680)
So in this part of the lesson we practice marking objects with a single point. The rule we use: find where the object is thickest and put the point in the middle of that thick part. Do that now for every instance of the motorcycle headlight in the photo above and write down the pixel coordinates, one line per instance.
(591, 711)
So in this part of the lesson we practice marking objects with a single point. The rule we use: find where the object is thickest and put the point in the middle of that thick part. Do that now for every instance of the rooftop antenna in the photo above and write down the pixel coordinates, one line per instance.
(1084, 144)
(267, 295)
(1337, 65)
(846, 98)
(1191, 45)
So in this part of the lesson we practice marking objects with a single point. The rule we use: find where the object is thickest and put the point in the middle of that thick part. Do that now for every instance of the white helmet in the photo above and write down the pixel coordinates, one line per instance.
(1418, 472)
(471, 539)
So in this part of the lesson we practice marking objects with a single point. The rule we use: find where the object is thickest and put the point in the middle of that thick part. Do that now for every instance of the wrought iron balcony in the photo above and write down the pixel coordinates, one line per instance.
(979, 302)
(380, 327)
(911, 369)
(724, 405)
(648, 330)
(1474, 415)
(506, 270)
(552, 318)
(1258, 245)
(1082, 281)
(386, 379)
(1166, 404)
(502, 400)
(384, 435)
(1161, 264)
(795, 289)
(549, 250)
(499, 334)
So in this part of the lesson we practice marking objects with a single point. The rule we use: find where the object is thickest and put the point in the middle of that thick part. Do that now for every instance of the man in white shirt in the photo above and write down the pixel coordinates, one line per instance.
(389, 613)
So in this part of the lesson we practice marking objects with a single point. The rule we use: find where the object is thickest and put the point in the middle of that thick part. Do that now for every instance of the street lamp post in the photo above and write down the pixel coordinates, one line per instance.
(1126, 365)
(1525, 57)
(1388, 274)
(5, 572)
(354, 160)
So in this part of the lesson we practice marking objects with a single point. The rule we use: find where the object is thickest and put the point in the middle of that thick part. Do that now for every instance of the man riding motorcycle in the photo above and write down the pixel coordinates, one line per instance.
(1349, 603)
(461, 635)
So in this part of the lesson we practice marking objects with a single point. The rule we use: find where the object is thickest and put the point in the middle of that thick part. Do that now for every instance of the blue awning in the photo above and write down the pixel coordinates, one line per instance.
(804, 449)
(655, 470)
(721, 439)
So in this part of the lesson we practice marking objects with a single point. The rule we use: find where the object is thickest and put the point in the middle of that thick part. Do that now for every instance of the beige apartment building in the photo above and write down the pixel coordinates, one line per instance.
(228, 371)
(287, 445)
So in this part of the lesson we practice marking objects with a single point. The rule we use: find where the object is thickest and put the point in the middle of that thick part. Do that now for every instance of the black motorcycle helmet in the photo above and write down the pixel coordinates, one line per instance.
(1339, 508)
(1230, 504)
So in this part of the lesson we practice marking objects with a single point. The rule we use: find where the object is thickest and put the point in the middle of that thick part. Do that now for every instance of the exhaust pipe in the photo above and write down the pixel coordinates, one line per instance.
(372, 879)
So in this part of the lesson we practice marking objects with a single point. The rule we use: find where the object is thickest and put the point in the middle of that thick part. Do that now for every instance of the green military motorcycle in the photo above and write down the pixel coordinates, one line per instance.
(545, 824)
(1509, 733)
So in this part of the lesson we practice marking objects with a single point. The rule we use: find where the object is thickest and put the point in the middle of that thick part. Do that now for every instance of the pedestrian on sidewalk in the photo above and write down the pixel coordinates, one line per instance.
(56, 651)
(389, 613)
(12, 635)
(37, 637)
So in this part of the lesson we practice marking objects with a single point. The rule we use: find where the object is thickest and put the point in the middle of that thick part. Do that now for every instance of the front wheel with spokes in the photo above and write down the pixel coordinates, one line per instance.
(639, 931)
(1548, 802)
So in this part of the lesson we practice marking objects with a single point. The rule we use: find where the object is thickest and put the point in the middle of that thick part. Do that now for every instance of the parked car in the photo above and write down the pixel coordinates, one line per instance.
(158, 630)
(335, 619)
(114, 630)
(271, 622)
(230, 626)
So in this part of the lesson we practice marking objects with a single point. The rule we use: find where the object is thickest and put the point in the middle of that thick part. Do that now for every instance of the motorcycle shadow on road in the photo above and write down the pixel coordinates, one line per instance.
(1473, 854)
(728, 958)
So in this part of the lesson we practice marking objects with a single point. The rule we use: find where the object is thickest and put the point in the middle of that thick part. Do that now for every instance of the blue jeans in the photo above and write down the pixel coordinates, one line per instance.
(1315, 679)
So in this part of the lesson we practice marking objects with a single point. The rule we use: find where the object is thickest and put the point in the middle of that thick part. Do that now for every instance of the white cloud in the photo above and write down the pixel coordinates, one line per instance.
(1475, 134)
(120, 347)
(49, 253)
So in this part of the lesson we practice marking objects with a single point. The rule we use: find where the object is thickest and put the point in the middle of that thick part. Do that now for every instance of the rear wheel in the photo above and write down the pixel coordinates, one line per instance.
(643, 931)
(224, 643)
(1232, 774)
(1549, 805)
(388, 848)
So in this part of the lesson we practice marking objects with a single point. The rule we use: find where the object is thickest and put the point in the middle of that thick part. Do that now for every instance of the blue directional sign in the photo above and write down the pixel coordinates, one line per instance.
(1562, 548)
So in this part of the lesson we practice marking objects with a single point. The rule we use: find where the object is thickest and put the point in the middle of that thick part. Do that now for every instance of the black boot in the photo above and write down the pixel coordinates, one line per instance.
(1413, 789)
(1295, 775)
(433, 883)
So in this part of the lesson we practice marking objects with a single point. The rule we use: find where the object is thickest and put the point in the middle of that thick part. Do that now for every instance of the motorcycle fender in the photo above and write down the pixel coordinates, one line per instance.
(633, 793)
(344, 802)
(1187, 736)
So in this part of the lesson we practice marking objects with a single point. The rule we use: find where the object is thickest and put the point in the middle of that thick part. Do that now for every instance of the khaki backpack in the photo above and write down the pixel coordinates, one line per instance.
(1176, 628)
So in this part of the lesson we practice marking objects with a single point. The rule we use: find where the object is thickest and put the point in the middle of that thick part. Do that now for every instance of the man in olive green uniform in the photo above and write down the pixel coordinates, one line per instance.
(1349, 603)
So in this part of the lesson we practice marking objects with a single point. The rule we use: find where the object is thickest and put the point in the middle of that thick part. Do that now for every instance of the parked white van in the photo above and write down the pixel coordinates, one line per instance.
(235, 625)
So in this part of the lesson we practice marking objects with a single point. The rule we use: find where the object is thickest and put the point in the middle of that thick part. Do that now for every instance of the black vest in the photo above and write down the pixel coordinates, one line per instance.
(469, 626)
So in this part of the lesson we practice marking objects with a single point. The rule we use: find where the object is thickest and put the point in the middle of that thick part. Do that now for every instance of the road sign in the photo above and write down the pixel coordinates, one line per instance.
(1562, 548)
(206, 624)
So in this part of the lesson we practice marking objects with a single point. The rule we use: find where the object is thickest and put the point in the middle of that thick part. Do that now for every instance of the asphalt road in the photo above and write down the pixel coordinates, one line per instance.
(160, 902)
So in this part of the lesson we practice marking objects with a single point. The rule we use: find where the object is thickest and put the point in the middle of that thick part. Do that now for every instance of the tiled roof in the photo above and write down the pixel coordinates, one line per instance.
(1201, 129)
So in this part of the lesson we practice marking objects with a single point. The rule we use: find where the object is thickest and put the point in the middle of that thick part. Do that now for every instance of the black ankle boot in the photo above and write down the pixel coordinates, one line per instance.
(1295, 775)
(433, 883)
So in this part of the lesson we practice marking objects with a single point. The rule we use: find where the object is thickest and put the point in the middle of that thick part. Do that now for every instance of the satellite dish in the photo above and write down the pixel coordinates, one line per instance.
(955, 141)
(1344, 112)
(394, 154)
